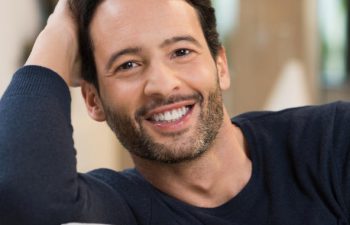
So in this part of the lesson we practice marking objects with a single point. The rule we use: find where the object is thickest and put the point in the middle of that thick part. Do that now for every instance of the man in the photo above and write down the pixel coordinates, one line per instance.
(154, 71)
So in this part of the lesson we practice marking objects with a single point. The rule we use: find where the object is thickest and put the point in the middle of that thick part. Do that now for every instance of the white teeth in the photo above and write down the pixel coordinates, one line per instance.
(170, 116)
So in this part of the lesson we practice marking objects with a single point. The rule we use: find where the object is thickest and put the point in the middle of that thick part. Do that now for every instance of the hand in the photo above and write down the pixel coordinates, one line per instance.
(56, 47)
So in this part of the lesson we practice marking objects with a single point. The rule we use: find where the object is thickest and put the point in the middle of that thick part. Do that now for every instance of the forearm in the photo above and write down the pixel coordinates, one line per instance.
(37, 158)
(56, 47)
(54, 52)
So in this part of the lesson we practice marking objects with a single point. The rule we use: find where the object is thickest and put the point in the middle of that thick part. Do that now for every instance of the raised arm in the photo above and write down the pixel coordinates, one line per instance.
(39, 183)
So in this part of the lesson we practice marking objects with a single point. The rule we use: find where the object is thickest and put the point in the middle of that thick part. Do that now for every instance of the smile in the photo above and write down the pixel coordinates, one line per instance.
(171, 115)
(174, 117)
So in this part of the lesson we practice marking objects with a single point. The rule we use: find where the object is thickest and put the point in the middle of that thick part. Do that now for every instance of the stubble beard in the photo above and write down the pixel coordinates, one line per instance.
(182, 147)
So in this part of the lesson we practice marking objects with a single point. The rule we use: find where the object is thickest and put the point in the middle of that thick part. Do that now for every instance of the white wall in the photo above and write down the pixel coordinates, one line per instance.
(18, 21)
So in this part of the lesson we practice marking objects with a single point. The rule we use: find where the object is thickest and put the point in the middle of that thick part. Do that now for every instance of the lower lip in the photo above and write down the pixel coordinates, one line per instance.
(175, 126)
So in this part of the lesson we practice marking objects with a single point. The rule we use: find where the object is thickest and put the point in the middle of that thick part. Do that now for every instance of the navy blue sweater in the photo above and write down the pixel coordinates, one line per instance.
(300, 158)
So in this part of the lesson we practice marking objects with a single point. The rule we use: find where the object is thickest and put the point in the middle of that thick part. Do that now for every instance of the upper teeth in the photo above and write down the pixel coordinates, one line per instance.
(170, 116)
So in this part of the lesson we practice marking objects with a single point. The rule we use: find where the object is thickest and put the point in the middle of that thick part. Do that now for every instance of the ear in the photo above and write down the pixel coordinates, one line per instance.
(222, 67)
(92, 101)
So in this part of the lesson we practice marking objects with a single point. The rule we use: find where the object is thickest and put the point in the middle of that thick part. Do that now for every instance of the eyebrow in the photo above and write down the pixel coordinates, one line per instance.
(180, 38)
(116, 55)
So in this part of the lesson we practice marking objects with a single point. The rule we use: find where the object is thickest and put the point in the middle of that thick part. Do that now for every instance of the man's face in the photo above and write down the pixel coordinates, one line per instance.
(160, 88)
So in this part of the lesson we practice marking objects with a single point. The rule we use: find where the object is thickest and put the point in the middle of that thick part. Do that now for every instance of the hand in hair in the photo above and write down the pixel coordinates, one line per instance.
(56, 47)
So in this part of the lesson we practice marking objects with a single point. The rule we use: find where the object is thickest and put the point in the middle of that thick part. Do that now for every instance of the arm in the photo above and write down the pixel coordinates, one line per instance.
(342, 156)
(38, 179)
(56, 46)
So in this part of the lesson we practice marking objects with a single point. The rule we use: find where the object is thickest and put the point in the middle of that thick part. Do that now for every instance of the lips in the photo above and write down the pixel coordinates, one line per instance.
(171, 115)
(171, 119)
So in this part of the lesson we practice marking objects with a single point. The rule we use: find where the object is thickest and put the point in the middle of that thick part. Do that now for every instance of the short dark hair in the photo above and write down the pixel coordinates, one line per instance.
(84, 10)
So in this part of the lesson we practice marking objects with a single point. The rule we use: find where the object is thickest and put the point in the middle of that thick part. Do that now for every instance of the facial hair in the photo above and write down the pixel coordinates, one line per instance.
(182, 147)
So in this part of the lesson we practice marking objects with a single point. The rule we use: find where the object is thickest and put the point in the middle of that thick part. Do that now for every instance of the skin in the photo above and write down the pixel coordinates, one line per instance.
(156, 71)
(56, 51)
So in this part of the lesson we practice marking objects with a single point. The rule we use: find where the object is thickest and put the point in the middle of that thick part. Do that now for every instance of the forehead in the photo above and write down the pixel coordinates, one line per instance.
(136, 20)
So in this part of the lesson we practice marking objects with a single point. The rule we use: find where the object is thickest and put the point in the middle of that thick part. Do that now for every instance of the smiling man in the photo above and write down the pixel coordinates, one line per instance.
(155, 70)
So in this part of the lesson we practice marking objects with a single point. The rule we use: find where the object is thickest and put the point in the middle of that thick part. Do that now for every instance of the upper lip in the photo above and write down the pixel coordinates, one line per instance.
(165, 108)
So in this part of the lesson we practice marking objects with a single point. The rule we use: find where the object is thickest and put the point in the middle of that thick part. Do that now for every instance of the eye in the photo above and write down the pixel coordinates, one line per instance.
(127, 66)
(181, 52)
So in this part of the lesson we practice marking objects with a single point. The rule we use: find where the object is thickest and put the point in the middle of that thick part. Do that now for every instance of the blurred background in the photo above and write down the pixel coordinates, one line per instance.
(282, 53)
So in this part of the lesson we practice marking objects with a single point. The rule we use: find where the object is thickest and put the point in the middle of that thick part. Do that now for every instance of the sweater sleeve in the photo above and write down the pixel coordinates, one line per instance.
(38, 179)
(342, 153)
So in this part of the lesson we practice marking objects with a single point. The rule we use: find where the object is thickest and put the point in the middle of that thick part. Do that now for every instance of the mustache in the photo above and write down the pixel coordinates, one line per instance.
(160, 101)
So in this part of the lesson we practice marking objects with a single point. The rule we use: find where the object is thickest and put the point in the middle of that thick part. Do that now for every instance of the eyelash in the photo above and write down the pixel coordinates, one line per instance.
(123, 66)
(184, 52)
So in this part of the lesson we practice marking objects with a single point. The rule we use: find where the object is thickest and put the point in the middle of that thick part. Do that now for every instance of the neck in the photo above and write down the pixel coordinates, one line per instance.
(209, 181)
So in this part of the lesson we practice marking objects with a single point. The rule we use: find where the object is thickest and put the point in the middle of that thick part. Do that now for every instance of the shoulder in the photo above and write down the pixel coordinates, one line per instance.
(124, 181)
(132, 187)
(328, 116)
(306, 145)
(129, 183)
(295, 113)
(303, 132)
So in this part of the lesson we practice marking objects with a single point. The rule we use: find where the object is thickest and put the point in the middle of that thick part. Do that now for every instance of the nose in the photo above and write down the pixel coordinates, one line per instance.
(161, 81)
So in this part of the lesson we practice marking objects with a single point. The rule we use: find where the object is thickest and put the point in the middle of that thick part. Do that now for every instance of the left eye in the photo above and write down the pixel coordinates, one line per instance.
(181, 52)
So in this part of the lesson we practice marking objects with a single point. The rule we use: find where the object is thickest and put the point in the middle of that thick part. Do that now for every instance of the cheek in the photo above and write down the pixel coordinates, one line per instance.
(201, 76)
(121, 96)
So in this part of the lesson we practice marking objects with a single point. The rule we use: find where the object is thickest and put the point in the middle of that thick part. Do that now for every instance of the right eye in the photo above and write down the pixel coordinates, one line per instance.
(127, 66)
(182, 52)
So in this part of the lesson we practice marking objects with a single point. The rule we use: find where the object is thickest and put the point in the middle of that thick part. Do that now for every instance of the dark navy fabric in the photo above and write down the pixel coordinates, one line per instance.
(300, 175)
